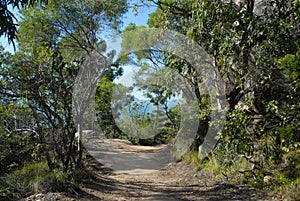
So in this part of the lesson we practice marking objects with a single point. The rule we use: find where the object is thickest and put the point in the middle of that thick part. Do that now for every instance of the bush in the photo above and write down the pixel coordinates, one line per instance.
(53, 182)
(15, 149)
(22, 178)
(266, 154)
(6, 192)
(36, 177)
(192, 159)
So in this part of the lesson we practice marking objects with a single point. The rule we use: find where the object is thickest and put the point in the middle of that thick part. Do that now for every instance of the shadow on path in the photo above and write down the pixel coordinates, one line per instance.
(171, 183)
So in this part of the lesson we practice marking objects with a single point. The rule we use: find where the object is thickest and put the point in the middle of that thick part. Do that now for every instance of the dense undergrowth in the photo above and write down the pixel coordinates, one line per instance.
(264, 154)
(36, 178)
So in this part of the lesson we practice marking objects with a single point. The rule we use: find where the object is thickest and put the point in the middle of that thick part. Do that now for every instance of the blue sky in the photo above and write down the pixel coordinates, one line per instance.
(140, 19)
(129, 71)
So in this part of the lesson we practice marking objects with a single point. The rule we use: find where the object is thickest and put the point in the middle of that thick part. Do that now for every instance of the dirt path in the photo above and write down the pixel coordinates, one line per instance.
(148, 173)
(121, 155)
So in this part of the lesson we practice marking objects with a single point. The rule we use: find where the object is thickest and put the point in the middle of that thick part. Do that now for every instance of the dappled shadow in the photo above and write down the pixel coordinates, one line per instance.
(111, 185)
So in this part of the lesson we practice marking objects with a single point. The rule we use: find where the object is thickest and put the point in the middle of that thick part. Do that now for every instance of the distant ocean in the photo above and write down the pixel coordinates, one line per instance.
(138, 106)
(148, 107)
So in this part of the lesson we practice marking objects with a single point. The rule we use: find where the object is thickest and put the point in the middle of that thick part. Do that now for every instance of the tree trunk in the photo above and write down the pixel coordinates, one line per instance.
(79, 158)
(203, 123)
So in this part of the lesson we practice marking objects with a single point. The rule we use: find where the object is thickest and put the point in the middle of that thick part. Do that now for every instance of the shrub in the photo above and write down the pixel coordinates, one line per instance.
(6, 192)
(193, 159)
(36, 177)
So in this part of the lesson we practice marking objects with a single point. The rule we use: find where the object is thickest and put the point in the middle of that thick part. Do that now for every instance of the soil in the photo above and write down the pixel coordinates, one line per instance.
(126, 172)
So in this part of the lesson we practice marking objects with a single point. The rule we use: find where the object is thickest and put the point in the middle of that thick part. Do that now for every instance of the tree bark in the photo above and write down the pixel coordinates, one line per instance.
(79, 140)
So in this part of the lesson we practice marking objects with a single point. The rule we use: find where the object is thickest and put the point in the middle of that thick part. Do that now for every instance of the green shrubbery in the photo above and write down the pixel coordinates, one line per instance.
(264, 154)
(33, 178)
(6, 191)
(136, 125)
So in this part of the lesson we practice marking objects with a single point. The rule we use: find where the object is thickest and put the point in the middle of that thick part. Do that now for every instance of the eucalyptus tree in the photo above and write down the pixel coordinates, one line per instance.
(235, 35)
(104, 102)
(54, 40)
(244, 39)
(9, 21)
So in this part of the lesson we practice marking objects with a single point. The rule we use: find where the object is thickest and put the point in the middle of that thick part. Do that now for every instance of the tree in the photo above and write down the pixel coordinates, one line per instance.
(7, 17)
(103, 103)
(18, 142)
(289, 108)
(244, 39)
(159, 84)
(233, 34)
(41, 74)
(167, 74)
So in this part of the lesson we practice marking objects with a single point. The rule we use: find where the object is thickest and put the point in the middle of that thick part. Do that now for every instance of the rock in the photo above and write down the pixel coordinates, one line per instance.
(268, 179)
